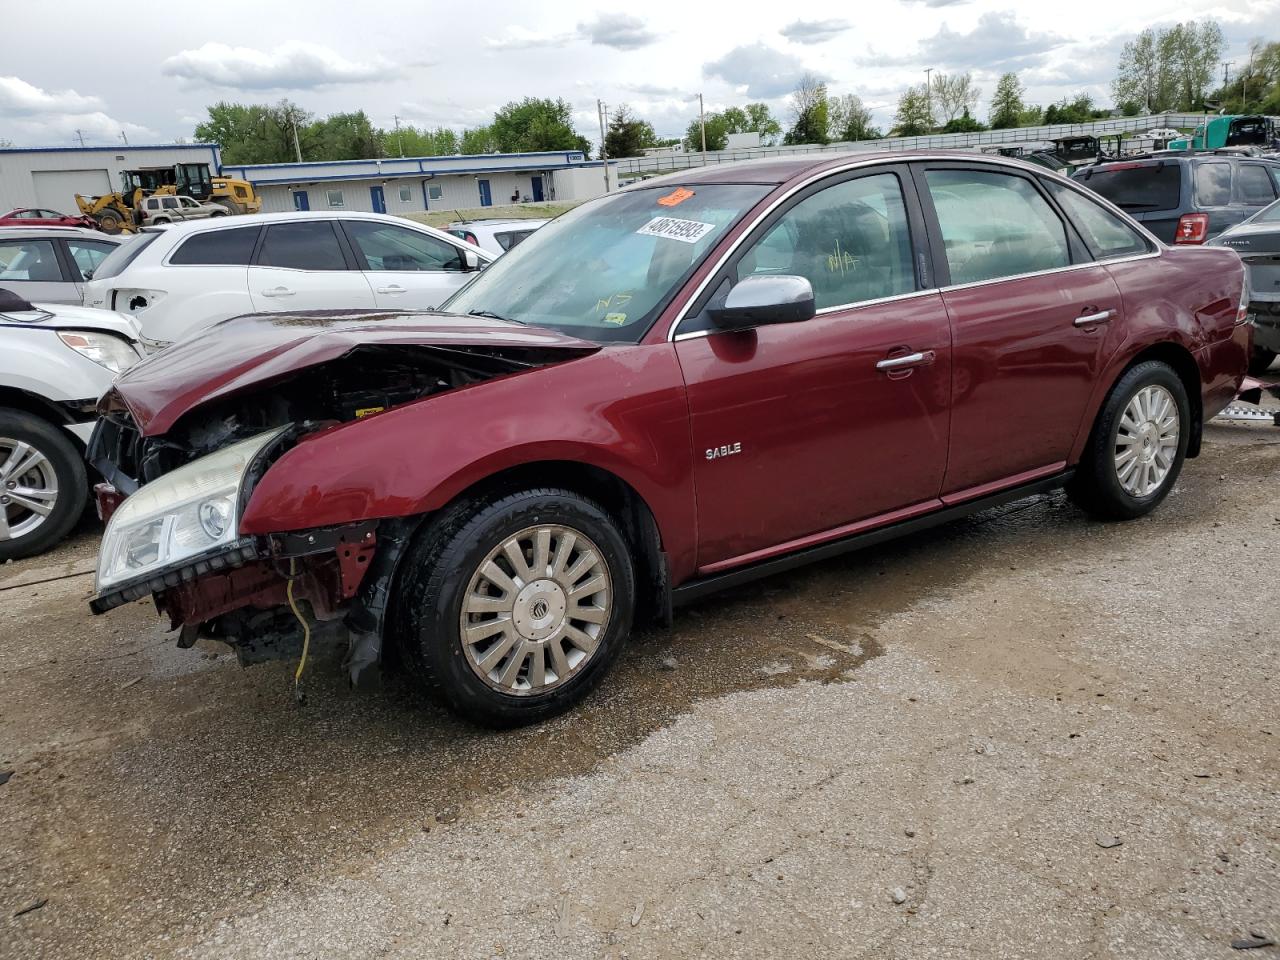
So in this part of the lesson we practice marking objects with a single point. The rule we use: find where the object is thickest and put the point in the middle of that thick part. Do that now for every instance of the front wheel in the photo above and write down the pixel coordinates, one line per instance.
(512, 610)
(1137, 446)
(43, 488)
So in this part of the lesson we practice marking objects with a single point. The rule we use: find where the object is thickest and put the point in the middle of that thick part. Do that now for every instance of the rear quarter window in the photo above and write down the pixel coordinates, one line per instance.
(1254, 185)
(217, 248)
(1138, 188)
(123, 255)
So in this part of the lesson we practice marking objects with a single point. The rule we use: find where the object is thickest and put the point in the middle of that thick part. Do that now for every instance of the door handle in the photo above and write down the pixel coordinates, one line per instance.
(1089, 319)
(908, 360)
(278, 292)
(394, 288)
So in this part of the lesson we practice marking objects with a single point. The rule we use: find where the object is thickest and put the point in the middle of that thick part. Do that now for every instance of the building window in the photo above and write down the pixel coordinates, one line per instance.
(435, 192)
(406, 194)
(336, 199)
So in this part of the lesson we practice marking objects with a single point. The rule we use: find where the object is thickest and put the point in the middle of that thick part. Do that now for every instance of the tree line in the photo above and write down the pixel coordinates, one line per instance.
(1173, 68)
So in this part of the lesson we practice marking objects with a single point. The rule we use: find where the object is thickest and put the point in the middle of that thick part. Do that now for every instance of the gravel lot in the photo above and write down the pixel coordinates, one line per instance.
(1046, 737)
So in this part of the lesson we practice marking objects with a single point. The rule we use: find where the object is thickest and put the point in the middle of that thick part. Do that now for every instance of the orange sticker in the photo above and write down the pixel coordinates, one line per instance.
(678, 195)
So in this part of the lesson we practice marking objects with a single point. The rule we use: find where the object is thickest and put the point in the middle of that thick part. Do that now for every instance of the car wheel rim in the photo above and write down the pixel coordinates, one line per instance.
(536, 609)
(1147, 441)
(28, 488)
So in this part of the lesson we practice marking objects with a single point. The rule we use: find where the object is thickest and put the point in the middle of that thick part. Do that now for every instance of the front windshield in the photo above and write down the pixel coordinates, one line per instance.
(605, 270)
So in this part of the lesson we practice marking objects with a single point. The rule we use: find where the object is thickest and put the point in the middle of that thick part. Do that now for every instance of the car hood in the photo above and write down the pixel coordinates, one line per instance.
(252, 351)
(60, 316)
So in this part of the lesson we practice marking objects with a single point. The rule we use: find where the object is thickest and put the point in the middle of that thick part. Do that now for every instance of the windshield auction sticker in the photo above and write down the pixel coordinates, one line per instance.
(686, 231)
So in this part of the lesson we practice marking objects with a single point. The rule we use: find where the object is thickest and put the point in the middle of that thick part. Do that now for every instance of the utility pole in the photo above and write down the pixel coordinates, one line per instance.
(124, 138)
(297, 149)
(601, 112)
(399, 142)
(928, 92)
(702, 122)
(80, 136)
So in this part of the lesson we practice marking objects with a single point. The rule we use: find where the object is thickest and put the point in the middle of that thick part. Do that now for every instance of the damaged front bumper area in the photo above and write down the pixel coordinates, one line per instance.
(175, 538)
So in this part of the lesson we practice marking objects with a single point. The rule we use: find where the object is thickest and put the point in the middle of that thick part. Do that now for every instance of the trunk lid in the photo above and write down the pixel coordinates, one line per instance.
(253, 351)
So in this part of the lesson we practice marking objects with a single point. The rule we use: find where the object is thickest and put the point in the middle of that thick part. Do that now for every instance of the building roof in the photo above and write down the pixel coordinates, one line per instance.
(390, 167)
(113, 148)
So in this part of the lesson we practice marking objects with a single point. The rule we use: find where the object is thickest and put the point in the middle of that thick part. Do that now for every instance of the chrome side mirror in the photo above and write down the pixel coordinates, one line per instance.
(761, 300)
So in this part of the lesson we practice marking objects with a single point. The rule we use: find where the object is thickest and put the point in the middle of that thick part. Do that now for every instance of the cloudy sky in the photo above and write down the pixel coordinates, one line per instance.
(104, 69)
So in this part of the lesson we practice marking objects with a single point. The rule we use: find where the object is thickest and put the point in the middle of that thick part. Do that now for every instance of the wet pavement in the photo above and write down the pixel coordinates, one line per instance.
(1045, 736)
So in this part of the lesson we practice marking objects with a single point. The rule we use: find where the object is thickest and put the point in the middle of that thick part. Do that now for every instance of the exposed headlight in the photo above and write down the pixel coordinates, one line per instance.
(181, 515)
(102, 348)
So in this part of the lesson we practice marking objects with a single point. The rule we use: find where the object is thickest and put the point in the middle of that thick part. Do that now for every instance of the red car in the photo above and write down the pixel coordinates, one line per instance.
(678, 387)
(34, 217)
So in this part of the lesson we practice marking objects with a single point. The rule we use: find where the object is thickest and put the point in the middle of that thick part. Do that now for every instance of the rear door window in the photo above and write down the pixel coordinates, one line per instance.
(1253, 185)
(1106, 234)
(995, 225)
(1213, 183)
(33, 260)
(310, 245)
(217, 248)
(1137, 188)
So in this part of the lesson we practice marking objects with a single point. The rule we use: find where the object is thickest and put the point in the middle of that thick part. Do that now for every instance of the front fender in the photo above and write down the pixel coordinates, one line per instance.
(622, 410)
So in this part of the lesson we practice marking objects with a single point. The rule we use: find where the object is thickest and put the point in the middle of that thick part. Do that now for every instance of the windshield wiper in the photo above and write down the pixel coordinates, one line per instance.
(493, 316)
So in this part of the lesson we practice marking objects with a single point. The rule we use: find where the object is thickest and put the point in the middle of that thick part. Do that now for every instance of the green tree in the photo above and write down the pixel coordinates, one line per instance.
(963, 124)
(850, 120)
(717, 133)
(952, 93)
(810, 112)
(627, 135)
(412, 141)
(761, 121)
(1006, 102)
(1256, 86)
(753, 118)
(1170, 68)
(343, 136)
(532, 124)
(477, 141)
(915, 113)
(248, 133)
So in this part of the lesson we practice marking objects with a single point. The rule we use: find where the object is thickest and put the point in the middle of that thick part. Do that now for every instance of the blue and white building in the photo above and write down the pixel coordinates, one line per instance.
(402, 185)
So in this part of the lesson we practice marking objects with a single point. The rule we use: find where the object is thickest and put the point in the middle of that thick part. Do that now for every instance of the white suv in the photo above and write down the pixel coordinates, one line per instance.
(191, 275)
(172, 209)
(55, 362)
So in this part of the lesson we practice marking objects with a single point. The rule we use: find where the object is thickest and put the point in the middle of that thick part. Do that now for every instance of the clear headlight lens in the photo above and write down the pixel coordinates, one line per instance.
(181, 515)
(102, 348)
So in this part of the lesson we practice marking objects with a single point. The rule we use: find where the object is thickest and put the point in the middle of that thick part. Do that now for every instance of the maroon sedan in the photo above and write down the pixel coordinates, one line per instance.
(682, 386)
(36, 217)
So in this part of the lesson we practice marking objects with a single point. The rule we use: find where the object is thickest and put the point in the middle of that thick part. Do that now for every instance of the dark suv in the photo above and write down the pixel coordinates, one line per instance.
(1186, 198)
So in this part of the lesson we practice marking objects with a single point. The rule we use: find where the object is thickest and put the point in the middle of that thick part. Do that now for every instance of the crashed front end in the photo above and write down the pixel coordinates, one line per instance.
(181, 464)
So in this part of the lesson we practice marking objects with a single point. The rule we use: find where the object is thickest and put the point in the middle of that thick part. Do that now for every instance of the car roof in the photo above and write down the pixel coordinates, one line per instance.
(773, 171)
(52, 232)
(291, 216)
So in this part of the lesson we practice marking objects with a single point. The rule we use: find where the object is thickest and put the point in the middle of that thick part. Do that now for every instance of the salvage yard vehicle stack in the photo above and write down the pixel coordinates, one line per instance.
(114, 212)
(673, 389)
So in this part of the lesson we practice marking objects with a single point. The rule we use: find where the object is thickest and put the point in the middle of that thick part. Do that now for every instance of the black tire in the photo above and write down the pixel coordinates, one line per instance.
(68, 469)
(437, 573)
(1096, 486)
(1261, 361)
(110, 221)
(233, 208)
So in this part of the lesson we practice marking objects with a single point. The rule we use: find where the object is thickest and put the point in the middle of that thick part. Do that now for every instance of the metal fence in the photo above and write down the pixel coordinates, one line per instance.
(941, 141)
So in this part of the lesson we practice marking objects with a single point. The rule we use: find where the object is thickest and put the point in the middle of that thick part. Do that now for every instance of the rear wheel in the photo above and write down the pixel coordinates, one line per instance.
(1261, 361)
(1137, 446)
(43, 487)
(512, 610)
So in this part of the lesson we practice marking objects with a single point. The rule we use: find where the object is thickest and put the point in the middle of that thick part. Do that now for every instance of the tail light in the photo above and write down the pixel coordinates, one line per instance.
(1192, 228)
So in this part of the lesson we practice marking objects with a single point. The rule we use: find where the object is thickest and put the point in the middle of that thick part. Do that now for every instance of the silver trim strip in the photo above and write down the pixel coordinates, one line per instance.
(981, 160)
(910, 360)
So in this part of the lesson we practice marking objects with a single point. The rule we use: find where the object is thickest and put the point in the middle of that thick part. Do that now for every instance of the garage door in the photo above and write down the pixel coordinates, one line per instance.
(57, 189)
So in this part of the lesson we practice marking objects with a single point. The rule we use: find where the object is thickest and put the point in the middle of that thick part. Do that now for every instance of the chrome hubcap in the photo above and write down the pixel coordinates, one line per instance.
(1147, 441)
(28, 488)
(535, 609)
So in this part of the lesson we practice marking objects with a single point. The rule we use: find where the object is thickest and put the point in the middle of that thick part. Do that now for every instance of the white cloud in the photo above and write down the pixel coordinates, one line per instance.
(617, 30)
(19, 98)
(814, 31)
(758, 70)
(522, 38)
(290, 66)
(997, 39)
(32, 116)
